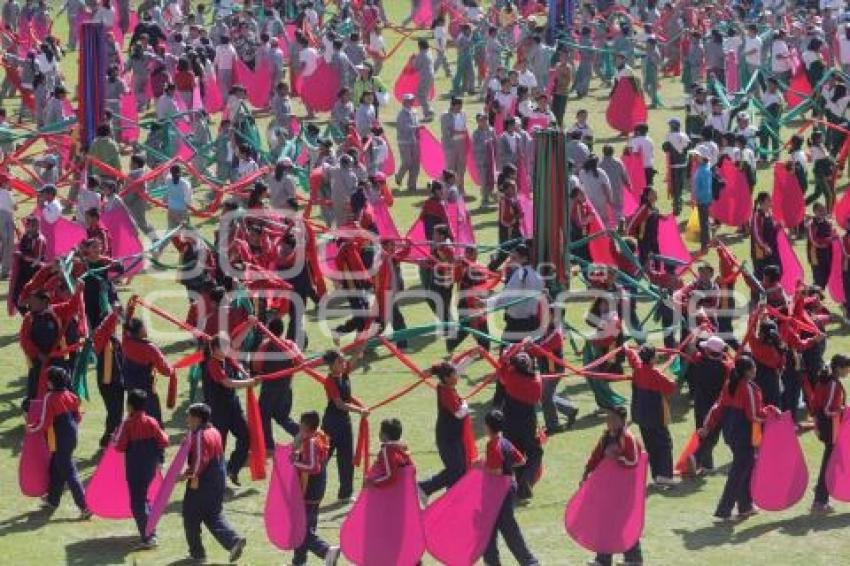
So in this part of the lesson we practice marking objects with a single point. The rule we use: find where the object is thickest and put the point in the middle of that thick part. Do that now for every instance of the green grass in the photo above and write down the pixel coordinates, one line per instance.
(678, 523)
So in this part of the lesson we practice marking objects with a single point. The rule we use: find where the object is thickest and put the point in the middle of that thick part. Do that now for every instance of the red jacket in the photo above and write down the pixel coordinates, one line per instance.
(57, 403)
(648, 377)
(206, 446)
(625, 448)
(139, 426)
(747, 398)
(828, 398)
(391, 457)
(312, 454)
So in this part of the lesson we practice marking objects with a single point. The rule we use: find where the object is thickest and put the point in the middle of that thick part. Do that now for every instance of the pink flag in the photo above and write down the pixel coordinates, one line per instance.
(626, 108)
(416, 235)
(408, 83)
(107, 493)
(124, 237)
(384, 220)
(431, 152)
(318, 91)
(471, 165)
(670, 241)
(424, 14)
(731, 71)
(606, 514)
(385, 524)
(792, 271)
(67, 108)
(842, 210)
(537, 121)
(159, 504)
(788, 202)
(780, 475)
(129, 110)
(838, 469)
(630, 203)
(799, 90)
(637, 175)
(260, 90)
(601, 247)
(836, 274)
(34, 460)
(527, 227)
(285, 518)
(389, 165)
(61, 236)
(213, 101)
(459, 524)
(734, 206)
(460, 222)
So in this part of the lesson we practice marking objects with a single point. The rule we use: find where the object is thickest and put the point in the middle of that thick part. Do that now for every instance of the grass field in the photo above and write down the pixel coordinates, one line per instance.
(678, 522)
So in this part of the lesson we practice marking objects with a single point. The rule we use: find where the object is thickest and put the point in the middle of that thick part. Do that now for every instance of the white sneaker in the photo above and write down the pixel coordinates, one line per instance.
(666, 481)
(332, 556)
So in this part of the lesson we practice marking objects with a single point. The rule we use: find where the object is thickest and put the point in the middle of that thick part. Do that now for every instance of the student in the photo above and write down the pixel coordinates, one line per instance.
(501, 457)
(142, 441)
(59, 419)
(452, 413)
(222, 377)
(204, 476)
(141, 358)
(310, 459)
(337, 419)
(276, 394)
(828, 399)
(552, 342)
(819, 238)
(763, 235)
(620, 444)
(392, 455)
(644, 226)
(741, 412)
(676, 147)
(651, 390)
(708, 370)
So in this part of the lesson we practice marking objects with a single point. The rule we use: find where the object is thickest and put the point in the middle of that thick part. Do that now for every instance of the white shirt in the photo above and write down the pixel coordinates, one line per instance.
(309, 57)
(524, 281)
(645, 146)
(51, 211)
(679, 141)
(86, 200)
(104, 16)
(376, 43)
(224, 56)
(527, 79)
(780, 57)
(843, 48)
(709, 149)
(6, 202)
(752, 44)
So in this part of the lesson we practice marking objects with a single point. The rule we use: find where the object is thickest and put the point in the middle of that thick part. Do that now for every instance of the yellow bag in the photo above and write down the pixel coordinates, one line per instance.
(692, 228)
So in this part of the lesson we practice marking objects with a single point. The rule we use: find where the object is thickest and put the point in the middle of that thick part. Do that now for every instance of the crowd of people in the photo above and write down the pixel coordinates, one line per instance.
(302, 211)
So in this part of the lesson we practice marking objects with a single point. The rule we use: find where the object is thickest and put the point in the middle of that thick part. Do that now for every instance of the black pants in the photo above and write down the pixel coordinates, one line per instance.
(791, 389)
(63, 469)
(342, 444)
(139, 475)
(312, 542)
(649, 172)
(518, 328)
(227, 417)
(506, 525)
(398, 323)
(453, 455)
(631, 556)
(737, 488)
(442, 303)
(526, 441)
(203, 506)
(820, 272)
(821, 492)
(659, 447)
(359, 318)
(768, 381)
(678, 176)
(113, 401)
(276, 405)
(462, 333)
(704, 455)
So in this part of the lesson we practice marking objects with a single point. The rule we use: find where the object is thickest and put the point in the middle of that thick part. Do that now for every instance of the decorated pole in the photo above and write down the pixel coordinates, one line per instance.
(91, 81)
(550, 184)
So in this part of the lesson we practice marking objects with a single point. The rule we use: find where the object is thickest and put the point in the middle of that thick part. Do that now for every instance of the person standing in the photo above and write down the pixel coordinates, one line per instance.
(676, 147)
(454, 139)
(563, 82)
(703, 197)
(423, 63)
(618, 177)
(522, 317)
(178, 198)
(7, 227)
(483, 148)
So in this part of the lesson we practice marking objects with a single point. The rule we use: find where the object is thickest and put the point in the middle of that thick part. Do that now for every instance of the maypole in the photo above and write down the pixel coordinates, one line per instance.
(550, 184)
(91, 80)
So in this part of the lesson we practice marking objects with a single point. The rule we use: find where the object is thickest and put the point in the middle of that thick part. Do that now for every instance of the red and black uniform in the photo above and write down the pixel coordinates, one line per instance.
(644, 228)
(827, 406)
(311, 460)
(59, 418)
(740, 412)
(101, 233)
(355, 282)
(706, 376)
(110, 374)
(819, 249)
(510, 219)
(276, 394)
(391, 457)
(204, 497)
(433, 214)
(389, 282)
(770, 362)
(581, 216)
(501, 457)
(29, 256)
(227, 415)
(141, 359)
(442, 280)
(651, 412)
(336, 423)
(552, 342)
(764, 246)
(474, 284)
(42, 336)
(452, 417)
(142, 441)
(518, 394)
(670, 282)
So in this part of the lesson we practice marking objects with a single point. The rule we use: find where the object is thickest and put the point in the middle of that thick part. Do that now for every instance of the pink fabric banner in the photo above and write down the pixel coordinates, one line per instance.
(159, 504)
(799, 90)
(408, 83)
(606, 514)
(107, 493)
(842, 210)
(836, 274)
(630, 203)
(384, 220)
(458, 525)
(780, 475)
(385, 525)
(637, 175)
(389, 165)
(34, 460)
(424, 14)
(284, 515)
(734, 206)
(626, 108)
(62, 236)
(259, 91)
(731, 71)
(789, 205)
(670, 241)
(460, 222)
(792, 270)
(431, 154)
(213, 100)
(125, 240)
(838, 468)
(129, 110)
(318, 91)
(527, 227)
(601, 248)
(471, 165)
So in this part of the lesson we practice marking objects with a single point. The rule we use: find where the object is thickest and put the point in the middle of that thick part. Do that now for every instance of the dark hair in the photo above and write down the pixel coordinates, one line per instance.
(330, 356)
(201, 411)
(134, 326)
(58, 378)
(391, 429)
(443, 370)
(838, 361)
(137, 399)
(743, 365)
(495, 420)
(619, 411)
(310, 419)
(275, 326)
(646, 353)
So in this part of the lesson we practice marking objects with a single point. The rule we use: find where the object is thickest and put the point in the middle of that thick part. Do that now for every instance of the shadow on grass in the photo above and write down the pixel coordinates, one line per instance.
(108, 550)
(29, 521)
